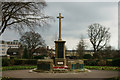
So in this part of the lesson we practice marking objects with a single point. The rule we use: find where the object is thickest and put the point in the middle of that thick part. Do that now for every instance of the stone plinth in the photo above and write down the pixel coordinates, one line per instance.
(75, 64)
(60, 49)
(46, 65)
(60, 53)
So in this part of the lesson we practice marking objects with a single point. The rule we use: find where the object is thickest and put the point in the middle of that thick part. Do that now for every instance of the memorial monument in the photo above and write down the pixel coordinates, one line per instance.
(60, 59)
(60, 64)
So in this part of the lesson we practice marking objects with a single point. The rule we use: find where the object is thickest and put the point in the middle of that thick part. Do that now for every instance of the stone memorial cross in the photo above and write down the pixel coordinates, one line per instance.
(60, 17)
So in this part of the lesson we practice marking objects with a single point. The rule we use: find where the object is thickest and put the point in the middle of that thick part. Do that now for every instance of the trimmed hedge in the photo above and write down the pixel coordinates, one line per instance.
(95, 62)
(25, 62)
(40, 57)
(116, 62)
(87, 62)
(10, 62)
(90, 62)
(5, 62)
(87, 56)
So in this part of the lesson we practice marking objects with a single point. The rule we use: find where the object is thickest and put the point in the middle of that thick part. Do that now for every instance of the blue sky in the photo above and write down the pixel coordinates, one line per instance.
(77, 17)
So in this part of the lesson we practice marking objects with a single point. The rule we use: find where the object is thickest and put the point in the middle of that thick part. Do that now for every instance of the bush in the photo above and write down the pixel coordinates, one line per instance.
(19, 62)
(101, 63)
(25, 62)
(5, 62)
(12, 57)
(25, 54)
(116, 62)
(109, 63)
(90, 62)
(87, 56)
(10, 62)
(40, 57)
(31, 62)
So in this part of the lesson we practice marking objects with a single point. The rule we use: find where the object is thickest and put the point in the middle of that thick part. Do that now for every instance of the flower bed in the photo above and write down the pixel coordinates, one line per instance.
(60, 67)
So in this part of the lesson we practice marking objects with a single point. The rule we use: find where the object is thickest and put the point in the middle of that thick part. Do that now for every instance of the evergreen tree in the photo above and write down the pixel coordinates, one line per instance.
(25, 55)
(81, 47)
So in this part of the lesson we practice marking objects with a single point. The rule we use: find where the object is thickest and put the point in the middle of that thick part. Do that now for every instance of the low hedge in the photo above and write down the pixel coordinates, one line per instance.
(116, 62)
(25, 62)
(96, 62)
(90, 62)
(5, 62)
(11, 62)
(17, 67)
(87, 62)
(103, 68)
(40, 57)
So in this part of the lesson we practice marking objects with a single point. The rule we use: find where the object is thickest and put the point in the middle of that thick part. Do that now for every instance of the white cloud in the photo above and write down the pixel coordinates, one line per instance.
(77, 17)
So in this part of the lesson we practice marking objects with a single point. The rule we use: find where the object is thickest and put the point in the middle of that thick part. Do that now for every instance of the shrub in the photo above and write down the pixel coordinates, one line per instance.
(31, 62)
(40, 57)
(101, 63)
(87, 56)
(116, 62)
(25, 62)
(109, 63)
(19, 62)
(90, 62)
(12, 57)
(25, 54)
(5, 62)
(12, 61)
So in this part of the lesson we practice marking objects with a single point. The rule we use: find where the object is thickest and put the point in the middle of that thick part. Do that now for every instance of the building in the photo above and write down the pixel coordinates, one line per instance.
(5, 45)
(71, 53)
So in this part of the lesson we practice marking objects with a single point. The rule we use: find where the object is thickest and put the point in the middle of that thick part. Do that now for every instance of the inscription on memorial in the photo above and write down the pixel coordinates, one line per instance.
(60, 50)
(59, 62)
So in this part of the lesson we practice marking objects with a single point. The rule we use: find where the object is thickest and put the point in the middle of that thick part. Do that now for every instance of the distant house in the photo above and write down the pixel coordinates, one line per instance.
(5, 45)
(15, 52)
(70, 53)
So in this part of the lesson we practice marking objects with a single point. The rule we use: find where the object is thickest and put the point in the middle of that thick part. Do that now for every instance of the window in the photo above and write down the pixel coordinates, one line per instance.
(3, 52)
(3, 45)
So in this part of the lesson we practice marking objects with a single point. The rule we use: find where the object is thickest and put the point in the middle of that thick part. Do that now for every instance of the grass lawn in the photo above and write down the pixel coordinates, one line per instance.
(88, 67)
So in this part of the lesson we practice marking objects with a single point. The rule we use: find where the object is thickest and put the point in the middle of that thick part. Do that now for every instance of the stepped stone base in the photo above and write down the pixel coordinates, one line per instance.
(75, 64)
(45, 64)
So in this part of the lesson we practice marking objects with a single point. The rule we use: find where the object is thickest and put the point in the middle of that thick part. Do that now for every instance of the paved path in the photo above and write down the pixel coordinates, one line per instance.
(92, 74)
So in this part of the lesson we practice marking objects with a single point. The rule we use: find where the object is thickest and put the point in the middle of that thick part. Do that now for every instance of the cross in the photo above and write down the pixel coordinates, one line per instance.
(60, 17)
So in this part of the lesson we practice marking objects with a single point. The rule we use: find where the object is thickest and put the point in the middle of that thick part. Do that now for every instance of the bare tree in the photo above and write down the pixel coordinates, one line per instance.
(22, 15)
(32, 41)
(99, 36)
(81, 47)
